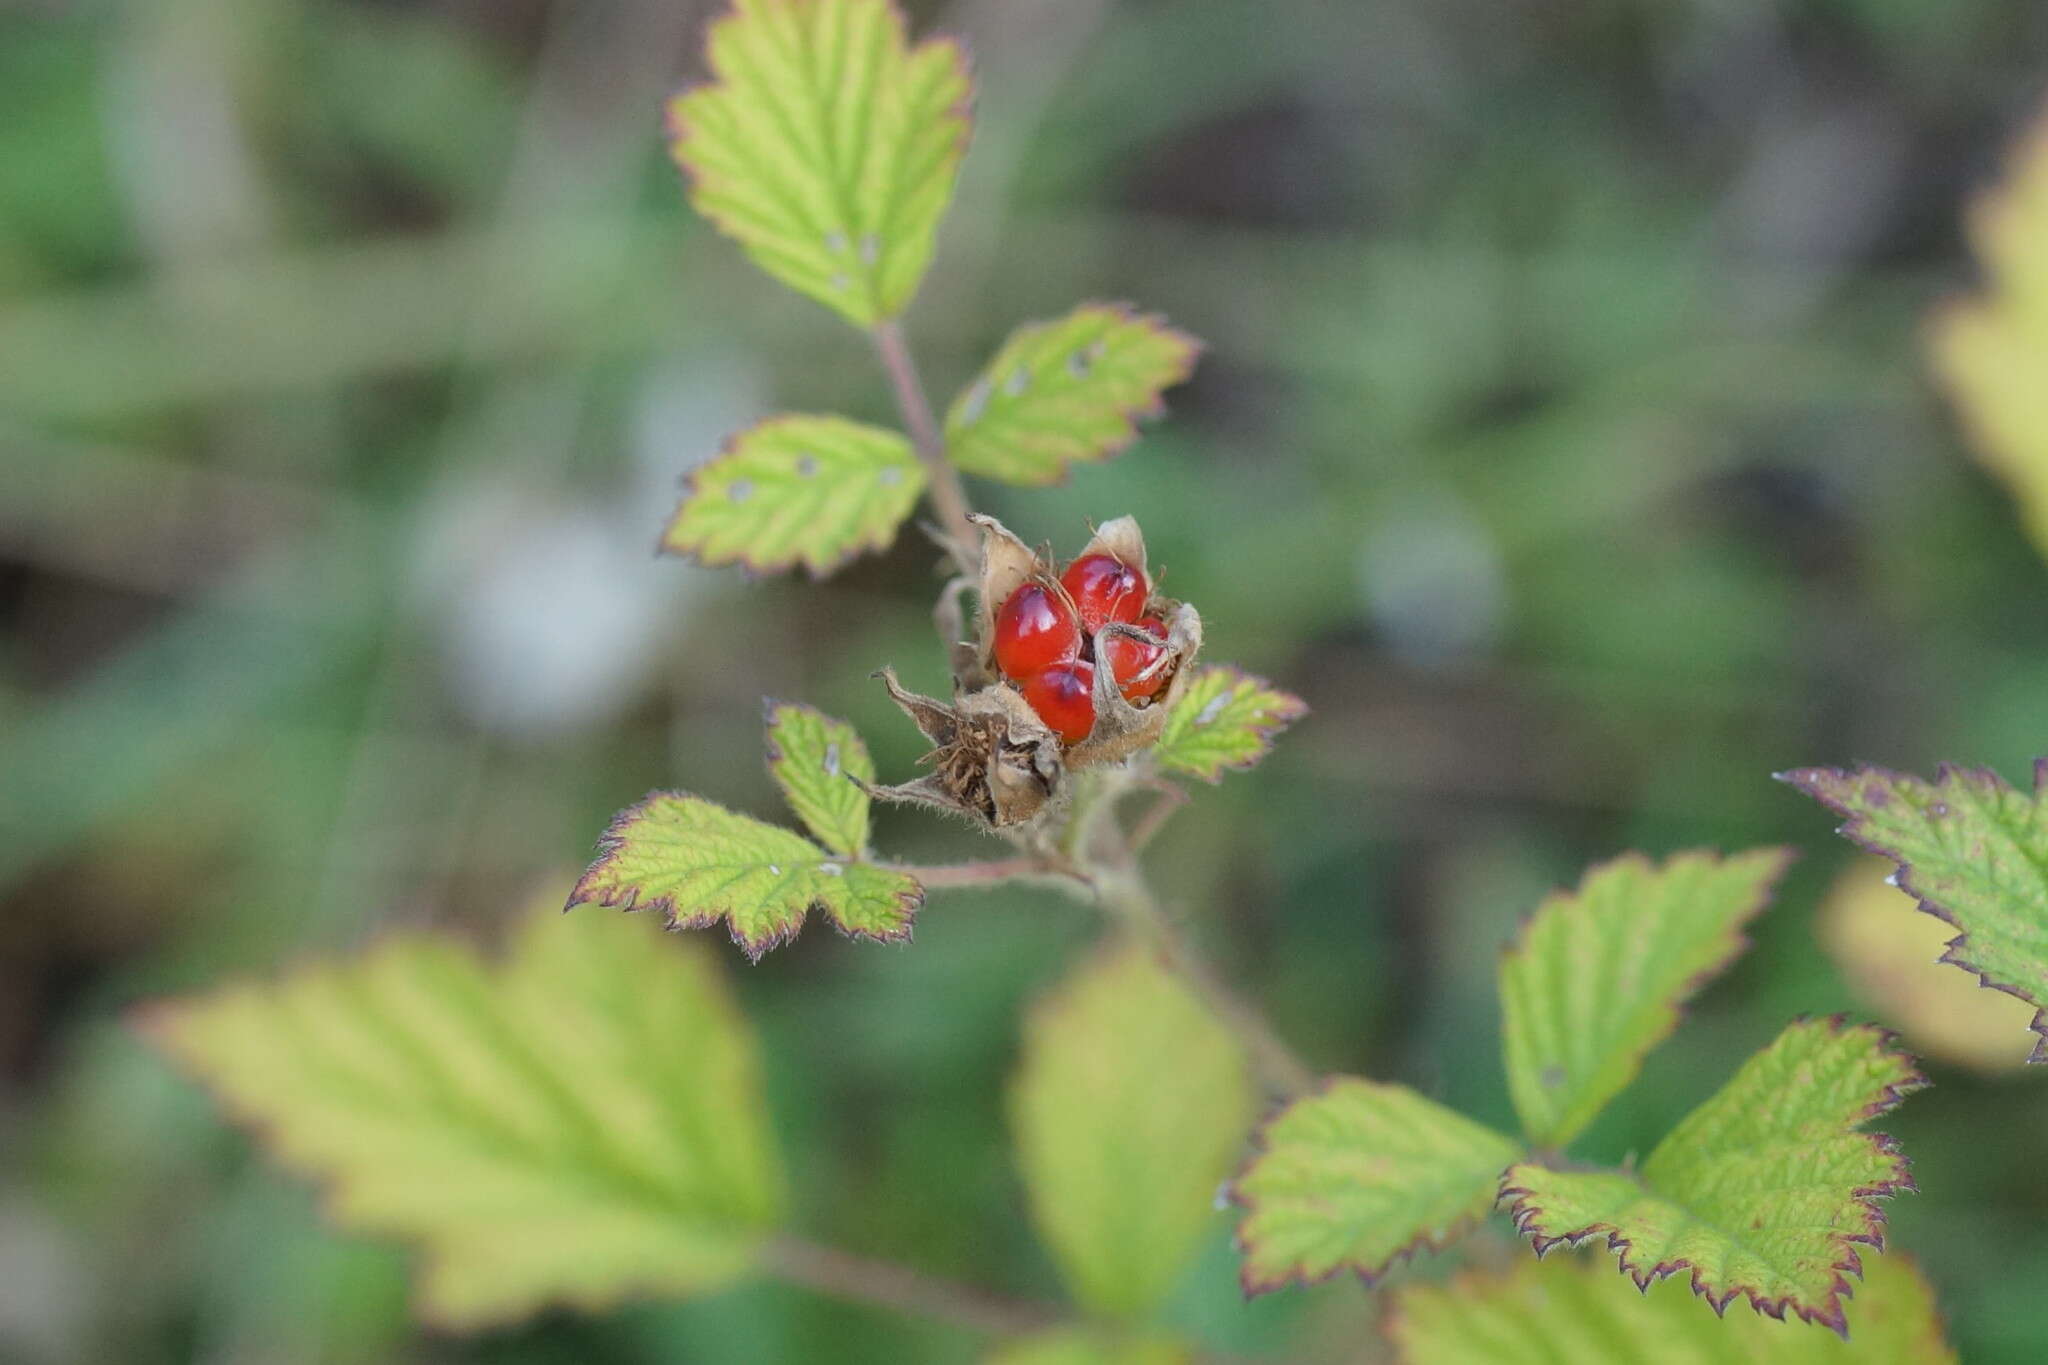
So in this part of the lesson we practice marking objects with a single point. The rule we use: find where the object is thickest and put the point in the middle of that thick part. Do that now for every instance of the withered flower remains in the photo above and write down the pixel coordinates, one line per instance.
(1093, 685)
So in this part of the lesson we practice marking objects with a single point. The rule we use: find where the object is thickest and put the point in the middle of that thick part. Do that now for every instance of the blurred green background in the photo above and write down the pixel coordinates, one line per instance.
(1564, 439)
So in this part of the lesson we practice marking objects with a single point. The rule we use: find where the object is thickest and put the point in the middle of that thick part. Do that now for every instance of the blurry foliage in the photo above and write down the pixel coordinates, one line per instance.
(1565, 440)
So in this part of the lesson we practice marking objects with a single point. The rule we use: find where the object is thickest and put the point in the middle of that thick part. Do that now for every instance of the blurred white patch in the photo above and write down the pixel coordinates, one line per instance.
(1431, 578)
(554, 608)
(43, 1308)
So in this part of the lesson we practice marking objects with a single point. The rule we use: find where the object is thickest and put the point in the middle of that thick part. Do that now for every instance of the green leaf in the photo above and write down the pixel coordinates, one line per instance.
(1091, 1346)
(1598, 976)
(820, 764)
(1359, 1176)
(699, 863)
(576, 1124)
(1763, 1191)
(1224, 719)
(1973, 850)
(827, 146)
(1066, 391)
(1990, 350)
(1565, 1308)
(814, 491)
(1129, 1108)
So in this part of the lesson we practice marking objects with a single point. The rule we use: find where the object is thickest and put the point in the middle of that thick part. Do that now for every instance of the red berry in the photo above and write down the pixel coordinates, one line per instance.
(1033, 630)
(1128, 658)
(1064, 698)
(1105, 588)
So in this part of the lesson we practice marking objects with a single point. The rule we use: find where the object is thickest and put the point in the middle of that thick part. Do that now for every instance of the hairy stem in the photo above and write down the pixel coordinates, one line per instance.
(949, 498)
(990, 874)
(884, 1284)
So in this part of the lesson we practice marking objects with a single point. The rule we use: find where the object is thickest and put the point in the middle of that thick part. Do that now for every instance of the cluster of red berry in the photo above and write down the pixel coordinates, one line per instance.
(1046, 641)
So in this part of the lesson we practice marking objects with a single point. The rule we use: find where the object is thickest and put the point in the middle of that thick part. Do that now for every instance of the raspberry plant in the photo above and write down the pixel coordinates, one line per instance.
(582, 1119)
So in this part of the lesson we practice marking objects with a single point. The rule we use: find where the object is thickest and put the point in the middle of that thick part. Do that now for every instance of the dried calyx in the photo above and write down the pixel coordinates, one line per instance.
(1087, 682)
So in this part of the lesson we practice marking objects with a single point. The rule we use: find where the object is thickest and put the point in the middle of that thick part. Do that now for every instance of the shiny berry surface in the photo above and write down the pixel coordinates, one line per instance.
(1034, 630)
(1104, 588)
(1127, 658)
(1063, 697)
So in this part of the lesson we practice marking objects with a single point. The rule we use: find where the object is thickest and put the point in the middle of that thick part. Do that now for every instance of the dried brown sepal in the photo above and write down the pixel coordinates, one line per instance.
(963, 655)
(993, 760)
(1123, 728)
(1007, 564)
(1122, 538)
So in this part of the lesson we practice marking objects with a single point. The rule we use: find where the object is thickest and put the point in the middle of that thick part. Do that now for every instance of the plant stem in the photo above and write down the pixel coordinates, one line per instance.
(1123, 891)
(884, 1284)
(988, 874)
(949, 499)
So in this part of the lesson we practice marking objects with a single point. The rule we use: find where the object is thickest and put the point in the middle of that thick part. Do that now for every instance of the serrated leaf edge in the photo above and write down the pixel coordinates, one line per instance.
(818, 569)
(1831, 1314)
(1125, 312)
(1807, 780)
(155, 1022)
(770, 707)
(1369, 1276)
(1736, 940)
(1472, 1280)
(1291, 710)
(678, 132)
(628, 898)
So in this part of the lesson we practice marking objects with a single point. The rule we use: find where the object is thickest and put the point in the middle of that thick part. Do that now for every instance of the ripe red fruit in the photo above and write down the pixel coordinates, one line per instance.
(1128, 658)
(1104, 588)
(1034, 630)
(1064, 698)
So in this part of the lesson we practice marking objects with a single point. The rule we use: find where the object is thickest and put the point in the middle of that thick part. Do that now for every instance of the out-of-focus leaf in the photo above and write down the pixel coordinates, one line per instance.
(1597, 978)
(1066, 391)
(1089, 1346)
(1991, 350)
(1891, 954)
(576, 1124)
(700, 863)
(820, 764)
(1765, 1190)
(827, 146)
(1566, 1308)
(797, 490)
(1358, 1176)
(1225, 719)
(1973, 850)
(1130, 1106)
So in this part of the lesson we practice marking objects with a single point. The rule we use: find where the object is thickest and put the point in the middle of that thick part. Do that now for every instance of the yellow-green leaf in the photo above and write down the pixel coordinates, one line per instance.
(1566, 1308)
(1765, 1190)
(1130, 1107)
(827, 146)
(1991, 349)
(820, 763)
(1358, 1176)
(1598, 975)
(797, 490)
(1973, 850)
(578, 1123)
(1890, 954)
(1092, 1346)
(1224, 719)
(699, 863)
(1066, 391)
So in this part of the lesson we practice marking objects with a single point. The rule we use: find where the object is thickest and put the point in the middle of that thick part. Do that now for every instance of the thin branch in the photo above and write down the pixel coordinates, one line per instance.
(1284, 1074)
(992, 873)
(949, 498)
(1170, 799)
(885, 1284)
